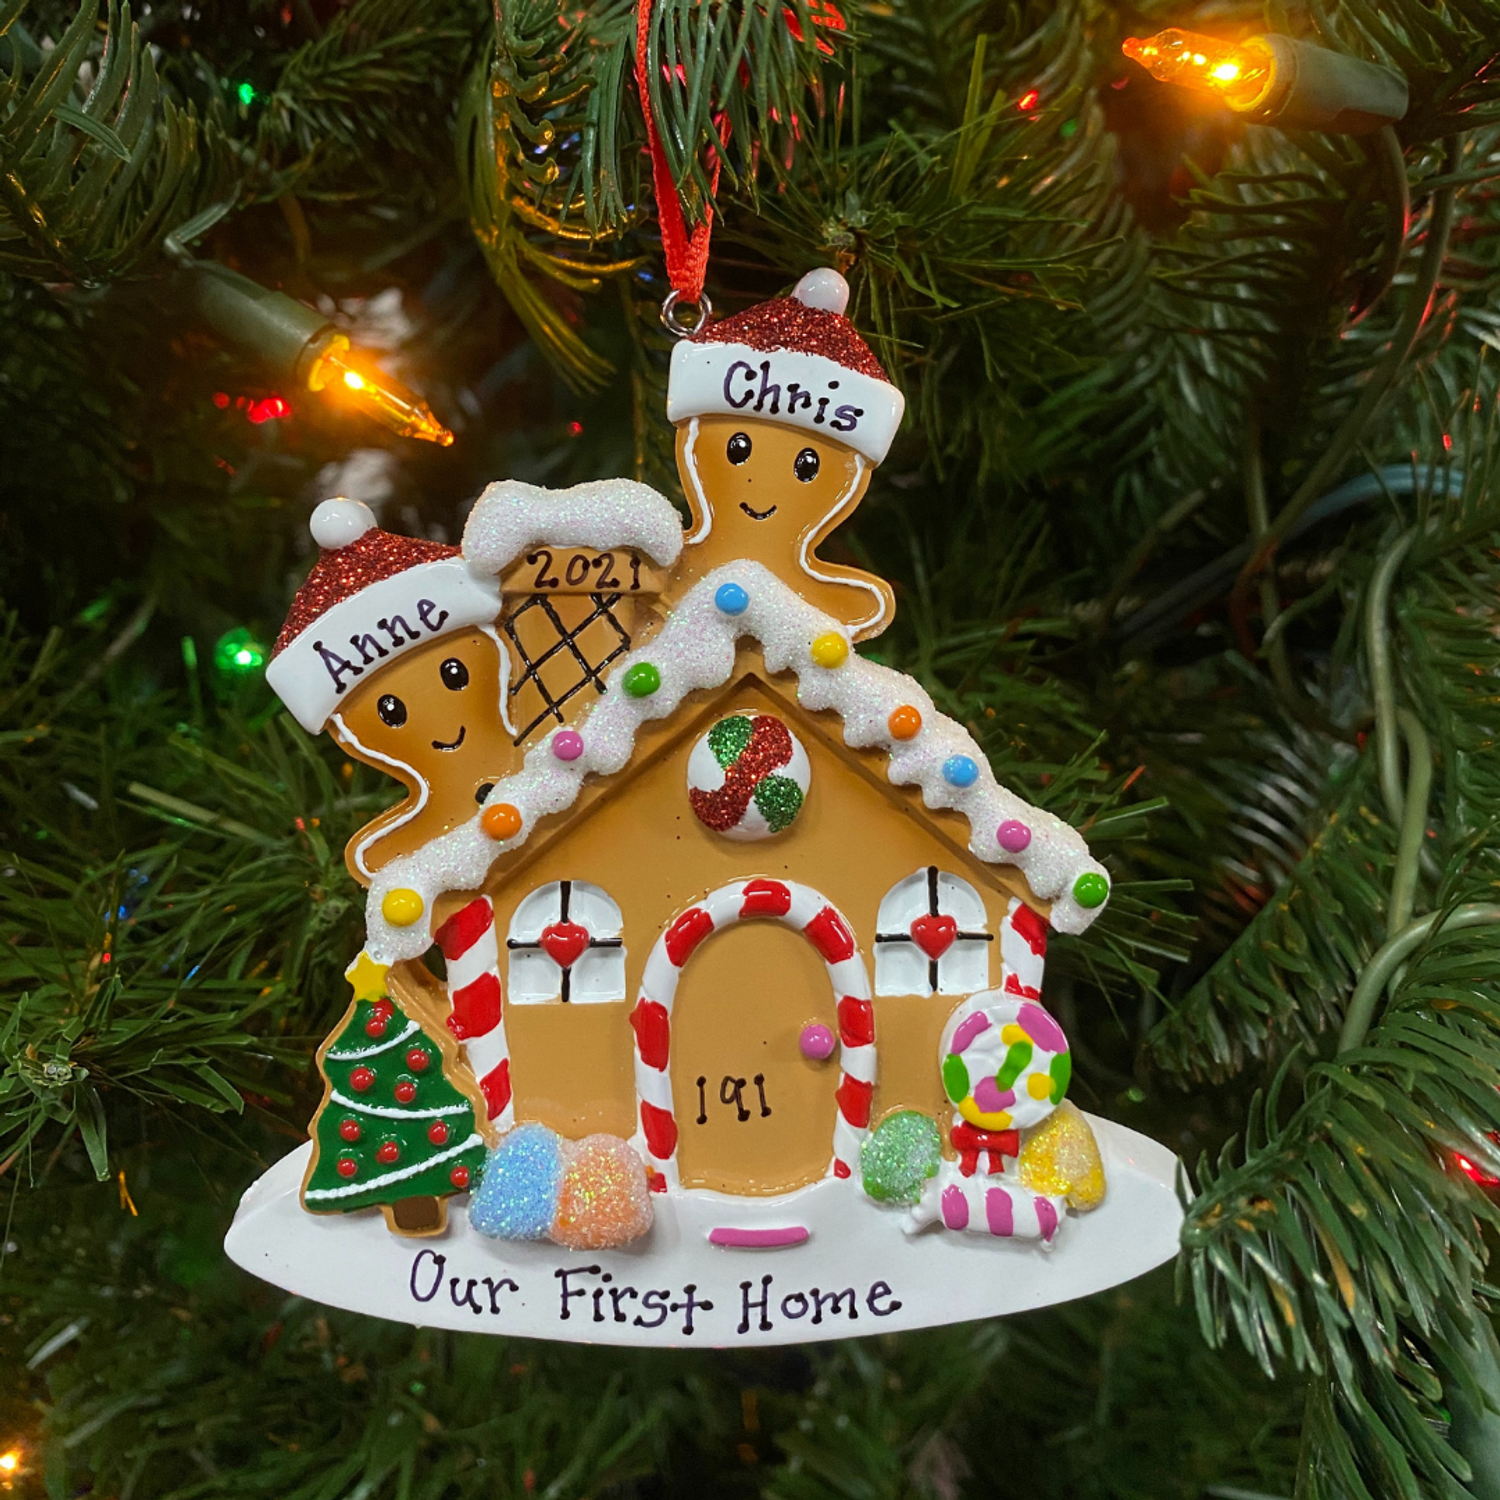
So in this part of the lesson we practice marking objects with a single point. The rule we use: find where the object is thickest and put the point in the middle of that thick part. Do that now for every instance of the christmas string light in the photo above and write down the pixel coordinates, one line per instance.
(1276, 79)
(298, 342)
(237, 653)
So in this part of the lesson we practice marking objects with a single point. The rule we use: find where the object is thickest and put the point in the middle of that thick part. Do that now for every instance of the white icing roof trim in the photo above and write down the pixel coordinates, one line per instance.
(696, 649)
(511, 516)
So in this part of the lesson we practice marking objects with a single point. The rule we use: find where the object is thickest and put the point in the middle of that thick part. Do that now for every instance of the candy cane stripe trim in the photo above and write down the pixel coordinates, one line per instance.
(471, 948)
(798, 907)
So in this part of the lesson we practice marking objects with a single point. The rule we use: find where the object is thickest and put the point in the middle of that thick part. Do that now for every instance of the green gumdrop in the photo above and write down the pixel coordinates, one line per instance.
(899, 1156)
(1061, 1071)
(779, 799)
(955, 1078)
(728, 738)
(1015, 1060)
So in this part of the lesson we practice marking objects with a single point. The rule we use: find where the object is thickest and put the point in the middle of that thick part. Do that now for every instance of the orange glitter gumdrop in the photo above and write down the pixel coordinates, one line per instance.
(904, 722)
(604, 1200)
(501, 822)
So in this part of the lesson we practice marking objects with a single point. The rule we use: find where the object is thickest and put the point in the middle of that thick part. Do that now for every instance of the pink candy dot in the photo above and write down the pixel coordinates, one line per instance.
(1013, 836)
(567, 744)
(816, 1041)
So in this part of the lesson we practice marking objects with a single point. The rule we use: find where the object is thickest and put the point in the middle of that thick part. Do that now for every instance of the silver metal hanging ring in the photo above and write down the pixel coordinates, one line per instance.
(678, 326)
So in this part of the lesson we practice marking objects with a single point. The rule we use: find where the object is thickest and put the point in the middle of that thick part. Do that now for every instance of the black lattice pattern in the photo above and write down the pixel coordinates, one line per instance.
(567, 641)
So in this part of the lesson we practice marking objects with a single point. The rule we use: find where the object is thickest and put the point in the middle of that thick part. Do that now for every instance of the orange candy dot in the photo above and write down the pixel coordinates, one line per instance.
(904, 722)
(501, 822)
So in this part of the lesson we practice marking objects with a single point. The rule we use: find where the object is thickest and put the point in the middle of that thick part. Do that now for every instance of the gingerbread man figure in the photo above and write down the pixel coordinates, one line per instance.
(782, 414)
(390, 646)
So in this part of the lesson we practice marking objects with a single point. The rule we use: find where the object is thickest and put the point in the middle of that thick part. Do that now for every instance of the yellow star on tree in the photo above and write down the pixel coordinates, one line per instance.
(367, 977)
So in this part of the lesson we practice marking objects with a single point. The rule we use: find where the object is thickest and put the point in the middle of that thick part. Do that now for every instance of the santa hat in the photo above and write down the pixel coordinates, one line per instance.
(795, 360)
(370, 596)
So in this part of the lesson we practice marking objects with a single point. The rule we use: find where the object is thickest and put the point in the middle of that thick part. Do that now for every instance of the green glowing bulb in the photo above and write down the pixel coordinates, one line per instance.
(237, 653)
(246, 92)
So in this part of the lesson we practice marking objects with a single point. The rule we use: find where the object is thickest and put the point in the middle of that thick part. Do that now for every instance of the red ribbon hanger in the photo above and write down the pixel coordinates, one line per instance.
(686, 254)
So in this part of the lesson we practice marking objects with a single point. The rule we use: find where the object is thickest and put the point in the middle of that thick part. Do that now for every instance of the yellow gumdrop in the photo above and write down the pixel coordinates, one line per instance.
(1060, 1158)
(1010, 1034)
(1000, 1120)
(401, 907)
(830, 650)
(1039, 1085)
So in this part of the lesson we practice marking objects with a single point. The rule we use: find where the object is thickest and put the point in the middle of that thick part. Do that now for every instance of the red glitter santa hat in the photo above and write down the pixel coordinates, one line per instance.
(370, 596)
(795, 360)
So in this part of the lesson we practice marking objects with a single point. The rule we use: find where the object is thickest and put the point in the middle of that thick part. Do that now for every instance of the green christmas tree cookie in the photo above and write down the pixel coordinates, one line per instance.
(393, 1131)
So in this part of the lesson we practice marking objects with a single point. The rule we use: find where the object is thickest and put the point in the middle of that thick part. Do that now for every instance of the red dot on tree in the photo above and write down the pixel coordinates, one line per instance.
(459, 1177)
(376, 1025)
(349, 1129)
(384, 1009)
(417, 1059)
(361, 1080)
(437, 1133)
(406, 1091)
(389, 1152)
(347, 1166)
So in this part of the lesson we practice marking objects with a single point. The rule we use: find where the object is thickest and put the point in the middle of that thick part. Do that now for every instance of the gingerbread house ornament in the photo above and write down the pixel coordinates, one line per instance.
(715, 950)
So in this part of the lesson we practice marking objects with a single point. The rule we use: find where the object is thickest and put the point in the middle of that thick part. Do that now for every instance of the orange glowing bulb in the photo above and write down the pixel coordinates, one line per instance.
(1239, 73)
(10, 1461)
(369, 389)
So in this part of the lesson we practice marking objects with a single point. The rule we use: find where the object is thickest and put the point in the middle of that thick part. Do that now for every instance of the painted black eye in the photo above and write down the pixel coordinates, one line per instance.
(392, 710)
(738, 448)
(805, 465)
(455, 675)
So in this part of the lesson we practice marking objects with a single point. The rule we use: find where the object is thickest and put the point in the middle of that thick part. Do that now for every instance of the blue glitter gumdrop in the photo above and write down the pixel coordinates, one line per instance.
(522, 1178)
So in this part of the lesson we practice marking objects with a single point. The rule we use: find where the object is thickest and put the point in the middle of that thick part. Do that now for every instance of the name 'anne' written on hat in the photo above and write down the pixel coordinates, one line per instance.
(362, 641)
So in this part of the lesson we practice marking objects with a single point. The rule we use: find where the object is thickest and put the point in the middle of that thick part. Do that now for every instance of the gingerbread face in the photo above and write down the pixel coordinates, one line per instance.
(431, 718)
(771, 492)
(766, 484)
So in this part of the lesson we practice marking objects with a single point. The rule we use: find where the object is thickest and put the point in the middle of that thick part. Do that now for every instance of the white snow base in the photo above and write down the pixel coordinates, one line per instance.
(462, 1280)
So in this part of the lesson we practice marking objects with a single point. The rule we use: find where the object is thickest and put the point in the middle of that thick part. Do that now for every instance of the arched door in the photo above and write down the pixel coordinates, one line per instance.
(731, 1090)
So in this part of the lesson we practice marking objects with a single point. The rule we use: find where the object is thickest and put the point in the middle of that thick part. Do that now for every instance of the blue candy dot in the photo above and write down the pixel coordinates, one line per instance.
(959, 770)
(731, 599)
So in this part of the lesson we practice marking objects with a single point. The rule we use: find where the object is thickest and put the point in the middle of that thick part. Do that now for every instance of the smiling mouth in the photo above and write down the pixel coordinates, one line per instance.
(758, 515)
(463, 729)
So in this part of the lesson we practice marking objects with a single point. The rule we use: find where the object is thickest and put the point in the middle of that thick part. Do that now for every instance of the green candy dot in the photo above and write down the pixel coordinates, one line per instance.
(728, 738)
(955, 1078)
(1016, 1059)
(901, 1153)
(1090, 890)
(1061, 1071)
(642, 680)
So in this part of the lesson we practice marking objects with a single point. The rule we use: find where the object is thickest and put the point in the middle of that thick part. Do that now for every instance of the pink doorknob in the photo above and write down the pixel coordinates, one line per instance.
(816, 1041)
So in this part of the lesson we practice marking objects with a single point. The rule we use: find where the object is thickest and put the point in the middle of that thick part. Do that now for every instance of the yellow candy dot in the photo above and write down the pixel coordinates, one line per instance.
(1011, 1034)
(401, 907)
(1000, 1120)
(1039, 1086)
(830, 650)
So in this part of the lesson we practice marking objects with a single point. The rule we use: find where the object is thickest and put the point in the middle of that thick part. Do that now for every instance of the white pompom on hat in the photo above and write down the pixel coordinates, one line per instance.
(371, 596)
(337, 522)
(794, 360)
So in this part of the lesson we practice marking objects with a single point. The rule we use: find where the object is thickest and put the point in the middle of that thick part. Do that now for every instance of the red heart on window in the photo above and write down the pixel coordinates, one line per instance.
(934, 935)
(562, 942)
